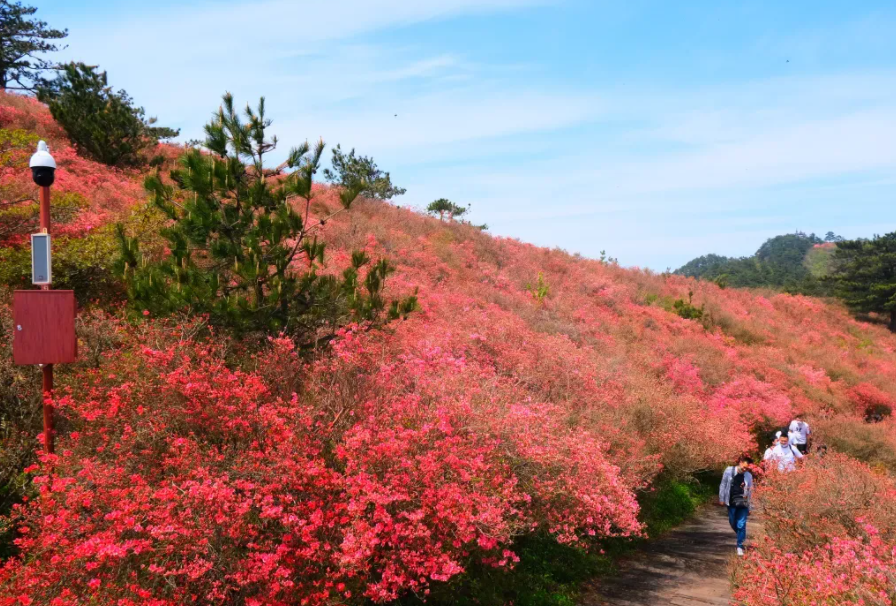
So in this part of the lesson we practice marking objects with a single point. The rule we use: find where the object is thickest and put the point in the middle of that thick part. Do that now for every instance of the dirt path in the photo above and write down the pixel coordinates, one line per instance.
(686, 567)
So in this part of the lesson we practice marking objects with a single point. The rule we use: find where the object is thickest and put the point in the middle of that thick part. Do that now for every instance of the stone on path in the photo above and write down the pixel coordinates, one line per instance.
(687, 566)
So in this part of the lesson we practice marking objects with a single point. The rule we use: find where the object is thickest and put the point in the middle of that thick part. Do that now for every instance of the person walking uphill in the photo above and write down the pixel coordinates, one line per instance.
(735, 493)
(784, 454)
(799, 434)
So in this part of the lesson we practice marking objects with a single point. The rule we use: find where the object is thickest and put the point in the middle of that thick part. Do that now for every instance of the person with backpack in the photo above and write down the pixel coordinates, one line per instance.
(784, 454)
(735, 493)
(799, 434)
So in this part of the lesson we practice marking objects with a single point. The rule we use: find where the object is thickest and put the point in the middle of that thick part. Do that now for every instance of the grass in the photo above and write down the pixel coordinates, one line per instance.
(549, 574)
(819, 261)
(673, 502)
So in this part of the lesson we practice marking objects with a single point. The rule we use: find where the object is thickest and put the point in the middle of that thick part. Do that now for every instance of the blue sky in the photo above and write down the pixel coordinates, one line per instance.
(656, 131)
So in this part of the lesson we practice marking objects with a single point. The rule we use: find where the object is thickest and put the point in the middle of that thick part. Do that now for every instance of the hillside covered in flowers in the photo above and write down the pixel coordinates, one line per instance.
(533, 392)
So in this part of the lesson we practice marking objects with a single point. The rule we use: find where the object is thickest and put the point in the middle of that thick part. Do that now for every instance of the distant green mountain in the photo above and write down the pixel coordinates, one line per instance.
(792, 263)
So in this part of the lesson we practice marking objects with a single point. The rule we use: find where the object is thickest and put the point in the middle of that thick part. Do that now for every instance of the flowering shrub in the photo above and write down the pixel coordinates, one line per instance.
(194, 471)
(183, 478)
(826, 497)
(831, 537)
(871, 401)
(180, 479)
(844, 571)
(756, 401)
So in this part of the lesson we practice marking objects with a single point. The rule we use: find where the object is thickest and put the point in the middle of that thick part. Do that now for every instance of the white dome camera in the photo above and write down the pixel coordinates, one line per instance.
(43, 166)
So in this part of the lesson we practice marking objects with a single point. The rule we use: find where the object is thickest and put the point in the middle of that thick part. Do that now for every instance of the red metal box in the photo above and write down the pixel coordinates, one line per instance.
(44, 327)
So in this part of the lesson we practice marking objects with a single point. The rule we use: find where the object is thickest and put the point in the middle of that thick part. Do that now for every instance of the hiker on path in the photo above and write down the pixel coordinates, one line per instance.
(784, 454)
(735, 493)
(799, 434)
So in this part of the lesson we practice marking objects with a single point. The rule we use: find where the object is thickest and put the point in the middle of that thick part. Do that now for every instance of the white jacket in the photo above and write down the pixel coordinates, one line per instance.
(785, 456)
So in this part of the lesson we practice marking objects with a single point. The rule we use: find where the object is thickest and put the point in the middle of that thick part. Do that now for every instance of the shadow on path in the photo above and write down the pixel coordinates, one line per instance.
(686, 567)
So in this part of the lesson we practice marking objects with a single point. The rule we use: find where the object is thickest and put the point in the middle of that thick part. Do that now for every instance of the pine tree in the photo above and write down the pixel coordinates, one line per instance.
(443, 207)
(103, 124)
(241, 252)
(22, 42)
(864, 275)
(361, 172)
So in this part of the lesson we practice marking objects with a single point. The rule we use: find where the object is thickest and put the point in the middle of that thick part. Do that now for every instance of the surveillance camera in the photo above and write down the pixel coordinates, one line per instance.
(43, 166)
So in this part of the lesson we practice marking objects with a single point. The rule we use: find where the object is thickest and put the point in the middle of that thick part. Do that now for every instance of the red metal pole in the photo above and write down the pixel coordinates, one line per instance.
(47, 370)
(47, 384)
(45, 209)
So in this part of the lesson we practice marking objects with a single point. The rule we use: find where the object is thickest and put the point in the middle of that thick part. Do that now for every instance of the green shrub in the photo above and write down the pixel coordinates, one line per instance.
(80, 264)
(540, 289)
(548, 574)
(686, 309)
(672, 502)
(16, 146)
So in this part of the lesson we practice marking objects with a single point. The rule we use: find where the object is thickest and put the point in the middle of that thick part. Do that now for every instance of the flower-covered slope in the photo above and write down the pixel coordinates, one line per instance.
(533, 391)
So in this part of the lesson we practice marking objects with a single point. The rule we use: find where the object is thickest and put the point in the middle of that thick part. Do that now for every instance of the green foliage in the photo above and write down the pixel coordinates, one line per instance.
(84, 265)
(16, 146)
(780, 263)
(864, 275)
(19, 217)
(240, 252)
(102, 124)
(548, 574)
(540, 289)
(361, 173)
(671, 502)
(445, 207)
(686, 309)
(820, 261)
(23, 43)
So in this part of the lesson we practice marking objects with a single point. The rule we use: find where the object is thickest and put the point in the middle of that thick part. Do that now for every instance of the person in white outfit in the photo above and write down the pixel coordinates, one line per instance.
(799, 432)
(784, 454)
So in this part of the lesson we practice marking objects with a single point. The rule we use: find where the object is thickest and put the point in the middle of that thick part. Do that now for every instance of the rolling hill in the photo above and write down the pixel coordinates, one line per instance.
(794, 263)
(535, 397)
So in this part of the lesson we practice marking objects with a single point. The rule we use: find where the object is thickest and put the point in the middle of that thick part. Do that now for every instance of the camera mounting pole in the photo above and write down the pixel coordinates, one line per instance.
(43, 172)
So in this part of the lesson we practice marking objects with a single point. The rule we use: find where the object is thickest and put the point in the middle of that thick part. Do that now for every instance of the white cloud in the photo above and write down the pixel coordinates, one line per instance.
(713, 141)
(249, 31)
(702, 166)
(417, 69)
(305, 57)
(433, 120)
(577, 165)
